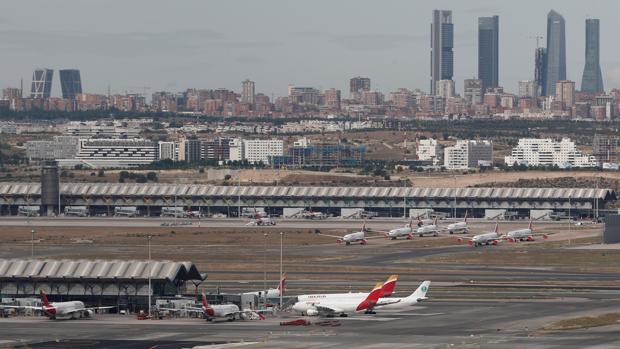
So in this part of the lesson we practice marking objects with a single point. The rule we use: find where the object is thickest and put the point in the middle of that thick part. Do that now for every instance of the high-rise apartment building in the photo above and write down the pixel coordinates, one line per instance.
(248, 92)
(331, 99)
(445, 88)
(304, 95)
(528, 89)
(592, 81)
(488, 51)
(540, 70)
(70, 83)
(473, 91)
(41, 83)
(556, 51)
(357, 86)
(565, 93)
(468, 154)
(442, 43)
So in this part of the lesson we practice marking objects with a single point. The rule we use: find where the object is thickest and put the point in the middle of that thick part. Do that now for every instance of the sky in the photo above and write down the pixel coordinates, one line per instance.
(154, 45)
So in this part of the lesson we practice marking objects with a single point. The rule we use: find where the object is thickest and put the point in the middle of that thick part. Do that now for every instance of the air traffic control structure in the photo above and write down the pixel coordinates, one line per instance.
(151, 198)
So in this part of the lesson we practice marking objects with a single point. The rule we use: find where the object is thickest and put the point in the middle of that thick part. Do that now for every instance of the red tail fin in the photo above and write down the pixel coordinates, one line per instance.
(371, 299)
(204, 301)
(44, 298)
(282, 284)
(389, 286)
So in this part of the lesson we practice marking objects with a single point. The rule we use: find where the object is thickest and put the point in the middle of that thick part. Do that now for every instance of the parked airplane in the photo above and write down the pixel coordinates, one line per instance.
(459, 227)
(406, 231)
(429, 229)
(65, 310)
(403, 303)
(310, 214)
(348, 239)
(386, 290)
(339, 306)
(228, 312)
(526, 234)
(260, 220)
(491, 238)
(422, 222)
(272, 292)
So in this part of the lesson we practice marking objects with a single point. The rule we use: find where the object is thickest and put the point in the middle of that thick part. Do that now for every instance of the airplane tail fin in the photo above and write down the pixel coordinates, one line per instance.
(44, 298)
(282, 284)
(496, 228)
(530, 226)
(204, 301)
(465, 219)
(419, 294)
(389, 285)
(372, 298)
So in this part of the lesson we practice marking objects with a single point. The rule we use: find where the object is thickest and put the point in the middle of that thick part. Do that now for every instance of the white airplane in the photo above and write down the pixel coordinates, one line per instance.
(432, 229)
(272, 292)
(260, 220)
(403, 303)
(228, 312)
(491, 238)
(342, 306)
(348, 239)
(423, 222)
(386, 290)
(406, 231)
(525, 234)
(459, 227)
(62, 310)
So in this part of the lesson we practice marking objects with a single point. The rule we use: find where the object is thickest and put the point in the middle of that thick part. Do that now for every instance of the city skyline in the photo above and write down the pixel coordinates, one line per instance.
(176, 55)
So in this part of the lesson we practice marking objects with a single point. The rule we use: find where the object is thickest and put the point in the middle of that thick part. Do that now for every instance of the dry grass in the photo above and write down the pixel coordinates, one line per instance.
(584, 322)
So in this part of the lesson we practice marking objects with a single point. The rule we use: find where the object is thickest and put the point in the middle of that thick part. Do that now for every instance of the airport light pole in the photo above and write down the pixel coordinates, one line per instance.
(265, 271)
(149, 238)
(32, 245)
(281, 235)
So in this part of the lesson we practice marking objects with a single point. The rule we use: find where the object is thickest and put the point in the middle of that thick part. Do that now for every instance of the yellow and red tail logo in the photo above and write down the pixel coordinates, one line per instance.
(389, 285)
(44, 298)
(371, 299)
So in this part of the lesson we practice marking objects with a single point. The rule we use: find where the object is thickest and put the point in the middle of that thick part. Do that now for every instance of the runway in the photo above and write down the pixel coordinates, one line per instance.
(434, 324)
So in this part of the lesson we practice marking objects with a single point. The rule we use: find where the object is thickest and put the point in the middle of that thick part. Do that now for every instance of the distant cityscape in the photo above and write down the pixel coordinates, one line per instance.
(546, 94)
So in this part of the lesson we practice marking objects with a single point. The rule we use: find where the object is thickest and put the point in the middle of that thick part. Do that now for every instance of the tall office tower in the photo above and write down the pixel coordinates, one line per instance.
(248, 92)
(41, 83)
(442, 43)
(556, 51)
(592, 80)
(70, 83)
(488, 51)
(357, 85)
(540, 70)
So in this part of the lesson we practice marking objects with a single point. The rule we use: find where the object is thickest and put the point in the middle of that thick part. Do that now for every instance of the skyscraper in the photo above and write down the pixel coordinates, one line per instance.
(357, 85)
(540, 70)
(592, 80)
(248, 92)
(70, 83)
(442, 43)
(556, 51)
(488, 51)
(41, 83)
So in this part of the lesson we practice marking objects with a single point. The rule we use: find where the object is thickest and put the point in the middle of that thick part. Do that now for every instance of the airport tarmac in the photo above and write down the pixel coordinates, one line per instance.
(434, 324)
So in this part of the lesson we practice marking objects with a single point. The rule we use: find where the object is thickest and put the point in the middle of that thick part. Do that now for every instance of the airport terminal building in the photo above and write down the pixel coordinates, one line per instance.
(151, 198)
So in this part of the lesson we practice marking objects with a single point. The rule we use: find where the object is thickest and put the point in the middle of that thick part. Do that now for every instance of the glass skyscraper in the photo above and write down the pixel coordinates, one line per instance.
(41, 83)
(70, 83)
(488, 51)
(442, 43)
(592, 80)
(556, 51)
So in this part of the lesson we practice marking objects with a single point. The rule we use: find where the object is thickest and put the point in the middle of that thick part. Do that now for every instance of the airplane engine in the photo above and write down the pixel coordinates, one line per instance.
(312, 312)
(89, 313)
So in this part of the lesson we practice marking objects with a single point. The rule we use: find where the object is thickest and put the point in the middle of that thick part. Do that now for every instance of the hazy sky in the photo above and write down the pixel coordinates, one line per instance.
(174, 45)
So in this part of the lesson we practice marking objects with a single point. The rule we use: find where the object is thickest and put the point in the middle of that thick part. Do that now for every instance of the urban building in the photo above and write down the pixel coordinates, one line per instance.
(473, 91)
(605, 148)
(488, 51)
(70, 83)
(10, 93)
(428, 150)
(466, 154)
(357, 85)
(331, 99)
(445, 88)
(548, 152)
(248, 92)
(164, 102)
(260, 150)
(41, 83)
(540, 70)
(403, 99)
(528, 89)
(113, 153)
(304, 95)
(556, 51)
(592, 81)
(565, 93)
(372, 98)
(305, 154)
(59, 147)
(442, 43)
(168, 151)
(87, 129)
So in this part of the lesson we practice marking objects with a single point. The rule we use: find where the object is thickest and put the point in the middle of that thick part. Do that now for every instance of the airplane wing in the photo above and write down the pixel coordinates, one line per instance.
(173, 310)
(331, 236)
(328, 309)
(193, 310)
(386, 301)
(20, 307)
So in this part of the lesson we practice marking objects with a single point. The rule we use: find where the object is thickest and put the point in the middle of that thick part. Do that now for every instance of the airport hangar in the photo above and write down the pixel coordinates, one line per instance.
(124, 283)
(151, 198)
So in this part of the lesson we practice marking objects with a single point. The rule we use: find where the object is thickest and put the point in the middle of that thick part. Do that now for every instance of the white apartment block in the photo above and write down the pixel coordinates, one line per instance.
(259, 150)
(110, 153)
(428, 150)
(466, 154)
(60, 147)
(548, 152)
(174, 151)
